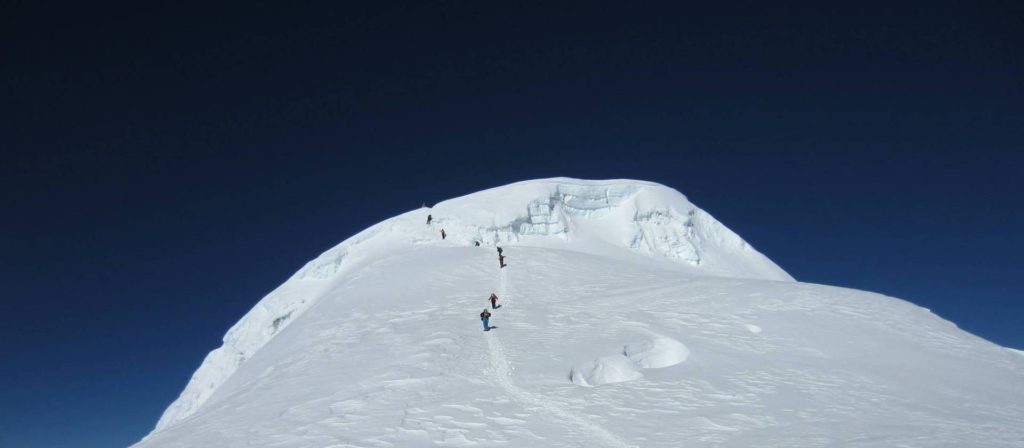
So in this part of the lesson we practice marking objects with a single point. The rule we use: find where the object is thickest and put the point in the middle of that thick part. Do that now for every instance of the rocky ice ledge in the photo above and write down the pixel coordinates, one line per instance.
(617, 218)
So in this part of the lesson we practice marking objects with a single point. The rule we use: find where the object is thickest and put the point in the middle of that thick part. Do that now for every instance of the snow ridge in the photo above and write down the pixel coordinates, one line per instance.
(388, 352)
(599, 216)
(615, 218)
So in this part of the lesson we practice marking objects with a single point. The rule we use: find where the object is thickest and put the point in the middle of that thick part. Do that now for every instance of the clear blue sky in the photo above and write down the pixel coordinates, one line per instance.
(164, 168)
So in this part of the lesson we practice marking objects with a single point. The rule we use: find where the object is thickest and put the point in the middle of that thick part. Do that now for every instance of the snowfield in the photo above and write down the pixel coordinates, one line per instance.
(629, 318)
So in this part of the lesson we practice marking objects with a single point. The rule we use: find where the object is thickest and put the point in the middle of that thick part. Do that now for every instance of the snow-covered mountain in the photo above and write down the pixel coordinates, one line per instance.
(629, 317)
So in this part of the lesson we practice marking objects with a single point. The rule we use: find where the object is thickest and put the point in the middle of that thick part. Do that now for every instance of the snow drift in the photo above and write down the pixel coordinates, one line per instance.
(678, 328)
(605, 370)
(657, 352)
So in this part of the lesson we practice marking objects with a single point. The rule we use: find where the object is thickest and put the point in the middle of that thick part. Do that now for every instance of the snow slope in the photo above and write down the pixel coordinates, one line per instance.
(630, 318)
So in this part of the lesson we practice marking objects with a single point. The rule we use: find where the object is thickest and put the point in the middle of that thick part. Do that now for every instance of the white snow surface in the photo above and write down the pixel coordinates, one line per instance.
(657, 352)
(681, 333)
(605, 370)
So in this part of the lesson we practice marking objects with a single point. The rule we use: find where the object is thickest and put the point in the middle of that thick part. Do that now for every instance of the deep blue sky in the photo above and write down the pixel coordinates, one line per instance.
(164, 167)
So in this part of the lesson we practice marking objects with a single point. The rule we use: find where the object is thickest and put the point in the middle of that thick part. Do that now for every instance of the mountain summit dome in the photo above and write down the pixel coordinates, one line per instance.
(629, 317)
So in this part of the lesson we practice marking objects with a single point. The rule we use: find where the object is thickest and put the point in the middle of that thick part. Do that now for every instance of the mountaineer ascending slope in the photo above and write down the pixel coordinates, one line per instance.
(485, 316)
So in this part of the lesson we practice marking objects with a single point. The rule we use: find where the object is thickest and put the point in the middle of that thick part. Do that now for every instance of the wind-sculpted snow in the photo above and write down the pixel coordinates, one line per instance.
(392, 355)
(609, 218)
(651, 353)
(245, 338)
(656, 352)
(683, 331)
(588, 216)
(604, 370)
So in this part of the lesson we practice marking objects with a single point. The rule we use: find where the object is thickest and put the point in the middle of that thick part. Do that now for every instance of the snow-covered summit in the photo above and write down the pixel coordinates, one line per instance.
(630, 317)
(603, 217)
(623, 218)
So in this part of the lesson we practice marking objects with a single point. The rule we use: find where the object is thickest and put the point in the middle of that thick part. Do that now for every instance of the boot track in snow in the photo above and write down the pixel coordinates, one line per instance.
(503, 374)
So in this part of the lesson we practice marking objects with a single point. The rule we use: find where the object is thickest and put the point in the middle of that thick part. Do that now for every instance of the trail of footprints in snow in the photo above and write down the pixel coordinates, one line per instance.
(655, 352)
(503, 374)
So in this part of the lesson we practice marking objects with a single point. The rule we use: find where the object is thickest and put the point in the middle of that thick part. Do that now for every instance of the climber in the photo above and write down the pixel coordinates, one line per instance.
(485, 317)
(494, 300)
(476, 243)
(499, 250)
(443, 235)
(501, 261)
(429, 218)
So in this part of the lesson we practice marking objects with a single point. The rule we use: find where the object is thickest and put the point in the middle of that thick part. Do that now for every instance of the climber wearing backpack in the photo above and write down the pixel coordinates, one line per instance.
(501, 261)
(429, 218)
(443, 235)
(485, 317)
(494, 301)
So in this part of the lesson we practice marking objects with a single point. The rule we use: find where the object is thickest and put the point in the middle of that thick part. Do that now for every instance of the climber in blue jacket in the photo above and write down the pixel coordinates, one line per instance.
(485, 317)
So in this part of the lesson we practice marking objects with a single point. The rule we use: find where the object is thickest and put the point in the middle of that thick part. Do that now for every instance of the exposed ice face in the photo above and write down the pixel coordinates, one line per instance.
(586, 216)
(617, 218)
(661, 232)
